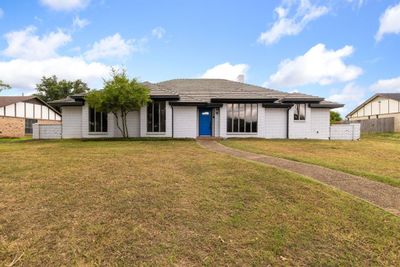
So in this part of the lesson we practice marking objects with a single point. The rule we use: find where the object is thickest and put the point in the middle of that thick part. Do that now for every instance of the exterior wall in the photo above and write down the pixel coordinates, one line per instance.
(133, 123)
(185, 122)
(260, 129)
(315, 126)
(377, 106)
(396, 117)
(168, 123)
(72, 122)
(47, 131)
(12, 127)
(85, 125)
(29, 111)
(276, 123)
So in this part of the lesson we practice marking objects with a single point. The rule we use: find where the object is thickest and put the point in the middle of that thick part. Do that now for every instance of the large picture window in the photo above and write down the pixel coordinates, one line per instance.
(300, 112)
(242, 118)
(98, 121)
(156, 117)
(29, 125)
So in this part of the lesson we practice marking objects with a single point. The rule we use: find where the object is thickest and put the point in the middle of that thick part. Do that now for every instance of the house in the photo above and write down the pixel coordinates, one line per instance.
(190, 108)
(19, 113)
(379, 106)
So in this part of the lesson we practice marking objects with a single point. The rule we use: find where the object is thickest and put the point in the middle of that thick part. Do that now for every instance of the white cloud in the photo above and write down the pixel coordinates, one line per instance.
(226, 71)
(65, 5)
(286, 25)
(25, 74)
(78, 23)
(389, 22)
(350, 93)
(317, 66)
(158, 32)
(389, 85)
(114, 47)
(25, 44)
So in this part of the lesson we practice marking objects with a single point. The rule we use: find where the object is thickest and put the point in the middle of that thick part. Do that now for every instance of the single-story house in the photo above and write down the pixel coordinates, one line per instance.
(19, 113)
(383, 105)
(191, 108)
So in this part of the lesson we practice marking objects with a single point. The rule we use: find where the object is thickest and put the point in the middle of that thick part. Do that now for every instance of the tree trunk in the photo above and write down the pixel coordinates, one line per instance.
(119, 127)
(126, 125)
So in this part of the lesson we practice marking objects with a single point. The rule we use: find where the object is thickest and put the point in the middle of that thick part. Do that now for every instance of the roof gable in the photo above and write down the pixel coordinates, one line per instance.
(393, 96)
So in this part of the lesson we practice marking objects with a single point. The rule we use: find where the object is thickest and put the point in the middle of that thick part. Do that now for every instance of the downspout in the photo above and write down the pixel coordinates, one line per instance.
(287, 122)
(172, 108)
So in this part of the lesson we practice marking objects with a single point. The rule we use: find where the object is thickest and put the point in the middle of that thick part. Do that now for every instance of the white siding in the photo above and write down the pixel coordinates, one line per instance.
(133, 122)
(185, 122)
(2, 110)
(38, 111)
(393, 106)
(20, 110)
(168, 123)
(45, 113)
(275, 122)
(52, 115)
(10, 110)
(72, 122)
(316, 125)
(29, 110)
(377, 106)
(345, 131)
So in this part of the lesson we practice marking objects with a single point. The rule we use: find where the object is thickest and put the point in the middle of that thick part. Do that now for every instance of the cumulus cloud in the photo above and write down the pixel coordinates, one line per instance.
(158, 32)
(350, 93)
(78, 23)
(25, 44)
(389, 22)
(226, 71)
(65, 5)
(24, 74)
(286, 25)
(317, 66)
(114, 47)
(388, 85)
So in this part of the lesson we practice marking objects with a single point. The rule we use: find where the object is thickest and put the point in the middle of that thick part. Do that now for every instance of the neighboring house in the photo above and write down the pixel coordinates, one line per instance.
(385, 105)
(19, 113)
(189, 108)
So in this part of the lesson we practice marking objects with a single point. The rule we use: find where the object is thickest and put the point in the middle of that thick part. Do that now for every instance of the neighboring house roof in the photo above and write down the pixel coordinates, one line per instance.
(205, 91)
(9, 100)
(393, 96)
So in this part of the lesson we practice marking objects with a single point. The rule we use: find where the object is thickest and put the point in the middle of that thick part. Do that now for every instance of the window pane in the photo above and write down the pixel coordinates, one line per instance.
(254, 120)
(229, 118)
(302, 113)
(235, 117)
(162, 116)
(248, 118)
(150, 117)
(156, 117)
(241, 114)
(104, 123)
(296, 112)
(98, 122)
(91, 119)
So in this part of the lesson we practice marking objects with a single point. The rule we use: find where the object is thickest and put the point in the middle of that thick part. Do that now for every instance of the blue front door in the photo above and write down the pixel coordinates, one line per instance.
(205, 122)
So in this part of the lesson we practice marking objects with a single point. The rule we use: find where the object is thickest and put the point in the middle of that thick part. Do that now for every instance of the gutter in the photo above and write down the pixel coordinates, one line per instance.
(287, 122)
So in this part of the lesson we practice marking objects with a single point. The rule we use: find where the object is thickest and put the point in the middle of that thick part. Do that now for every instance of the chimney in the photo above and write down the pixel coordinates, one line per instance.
(240, 78)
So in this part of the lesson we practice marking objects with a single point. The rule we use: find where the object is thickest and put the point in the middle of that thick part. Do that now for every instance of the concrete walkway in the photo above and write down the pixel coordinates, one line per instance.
(379, 194)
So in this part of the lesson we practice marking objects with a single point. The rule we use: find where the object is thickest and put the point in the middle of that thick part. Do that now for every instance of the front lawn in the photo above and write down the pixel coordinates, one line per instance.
(175, 203)
(375, 156)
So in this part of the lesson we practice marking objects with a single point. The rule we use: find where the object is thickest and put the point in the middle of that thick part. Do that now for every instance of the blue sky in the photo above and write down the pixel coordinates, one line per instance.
(344, 50)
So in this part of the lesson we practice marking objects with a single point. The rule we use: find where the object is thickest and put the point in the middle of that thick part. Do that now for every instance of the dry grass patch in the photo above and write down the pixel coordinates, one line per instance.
(375, 156)
(174, 203)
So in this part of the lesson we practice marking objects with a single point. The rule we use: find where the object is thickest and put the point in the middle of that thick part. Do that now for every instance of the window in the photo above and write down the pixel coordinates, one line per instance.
(29, 125)
(300, 112)
(242, 118)
(156, 117)
(98, 121)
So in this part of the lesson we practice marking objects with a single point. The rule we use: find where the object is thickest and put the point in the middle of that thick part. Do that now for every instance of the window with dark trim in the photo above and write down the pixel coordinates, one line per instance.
(242, 118)
(299, 113)
(29, 125)
(156, 117)
(98, 121)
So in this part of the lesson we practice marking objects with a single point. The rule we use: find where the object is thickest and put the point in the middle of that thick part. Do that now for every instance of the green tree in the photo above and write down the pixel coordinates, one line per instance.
(119, 96)
(335, 117)
(50, 88)
(3, 86)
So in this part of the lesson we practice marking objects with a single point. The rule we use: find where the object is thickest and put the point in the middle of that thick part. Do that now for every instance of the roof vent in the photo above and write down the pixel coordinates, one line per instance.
(240, 78)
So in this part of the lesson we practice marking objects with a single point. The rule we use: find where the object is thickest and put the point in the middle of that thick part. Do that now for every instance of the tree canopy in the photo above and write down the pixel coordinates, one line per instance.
(4, 86)
(335, 117)
(50, 88)
(119, 96)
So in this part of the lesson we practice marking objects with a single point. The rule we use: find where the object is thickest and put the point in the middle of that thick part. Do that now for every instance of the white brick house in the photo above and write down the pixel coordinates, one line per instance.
(189, 108)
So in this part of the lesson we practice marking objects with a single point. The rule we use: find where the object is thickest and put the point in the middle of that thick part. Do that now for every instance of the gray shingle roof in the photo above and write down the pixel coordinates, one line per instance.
(394, 96)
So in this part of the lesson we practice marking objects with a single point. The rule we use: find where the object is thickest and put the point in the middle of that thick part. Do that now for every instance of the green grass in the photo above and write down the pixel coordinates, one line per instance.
(375, 156)
(175, 203)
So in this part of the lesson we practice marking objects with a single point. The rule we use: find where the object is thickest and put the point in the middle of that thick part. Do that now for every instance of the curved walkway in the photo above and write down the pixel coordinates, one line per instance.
(379, 194)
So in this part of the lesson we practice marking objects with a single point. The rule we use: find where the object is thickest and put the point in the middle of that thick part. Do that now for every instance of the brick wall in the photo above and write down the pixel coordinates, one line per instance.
(12, 127)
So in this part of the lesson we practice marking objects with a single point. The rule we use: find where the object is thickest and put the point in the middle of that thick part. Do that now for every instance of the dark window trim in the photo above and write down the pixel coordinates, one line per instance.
(298, 112)
(103, 128)
(159, 126)
(236, 118)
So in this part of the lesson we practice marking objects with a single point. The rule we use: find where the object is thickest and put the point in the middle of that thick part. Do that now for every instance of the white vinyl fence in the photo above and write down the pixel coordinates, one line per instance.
(46, 131)
(350, 131)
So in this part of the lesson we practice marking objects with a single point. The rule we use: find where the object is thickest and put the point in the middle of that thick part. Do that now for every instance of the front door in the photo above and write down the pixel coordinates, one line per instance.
(205, 119)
